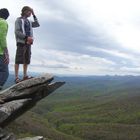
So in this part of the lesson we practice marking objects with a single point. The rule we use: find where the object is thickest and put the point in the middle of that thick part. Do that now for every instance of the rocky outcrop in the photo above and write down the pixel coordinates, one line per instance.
(23, 96)
(34, 138)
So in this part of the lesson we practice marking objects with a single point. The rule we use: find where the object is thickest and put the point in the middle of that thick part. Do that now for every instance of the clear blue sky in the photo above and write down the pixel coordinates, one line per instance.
(82, 37)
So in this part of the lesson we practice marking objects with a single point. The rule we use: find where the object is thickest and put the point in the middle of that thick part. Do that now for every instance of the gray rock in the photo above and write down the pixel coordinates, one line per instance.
(23, 96)
(34, 138)
(6, 136)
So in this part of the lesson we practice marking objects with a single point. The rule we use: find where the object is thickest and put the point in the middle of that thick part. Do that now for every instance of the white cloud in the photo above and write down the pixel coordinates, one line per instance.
(110, 27)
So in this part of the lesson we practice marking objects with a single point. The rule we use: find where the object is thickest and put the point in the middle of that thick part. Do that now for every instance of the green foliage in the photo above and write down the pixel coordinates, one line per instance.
(86, 108)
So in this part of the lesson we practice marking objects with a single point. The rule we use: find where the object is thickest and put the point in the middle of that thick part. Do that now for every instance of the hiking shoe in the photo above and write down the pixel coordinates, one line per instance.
(27, 77)
(17, 80)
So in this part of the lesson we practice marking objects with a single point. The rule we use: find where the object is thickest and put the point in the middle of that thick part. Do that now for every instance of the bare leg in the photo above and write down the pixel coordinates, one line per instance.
(25, 66)
(16, 70)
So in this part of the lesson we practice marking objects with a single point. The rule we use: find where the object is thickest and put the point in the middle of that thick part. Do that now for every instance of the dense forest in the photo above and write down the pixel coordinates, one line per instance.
(85, 108)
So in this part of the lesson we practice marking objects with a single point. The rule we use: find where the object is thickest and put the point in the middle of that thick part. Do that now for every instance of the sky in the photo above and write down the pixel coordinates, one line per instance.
(81, 37)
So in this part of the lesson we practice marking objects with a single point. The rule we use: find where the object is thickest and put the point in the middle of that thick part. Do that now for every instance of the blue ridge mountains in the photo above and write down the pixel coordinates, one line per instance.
(85, 108)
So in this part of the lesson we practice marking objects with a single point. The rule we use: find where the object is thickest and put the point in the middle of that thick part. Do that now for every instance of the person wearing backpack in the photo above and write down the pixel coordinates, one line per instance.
(4, 56)
(24, 40)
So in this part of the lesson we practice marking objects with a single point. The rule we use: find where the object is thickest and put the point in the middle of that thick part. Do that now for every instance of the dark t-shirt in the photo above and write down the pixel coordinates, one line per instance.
(27, 27)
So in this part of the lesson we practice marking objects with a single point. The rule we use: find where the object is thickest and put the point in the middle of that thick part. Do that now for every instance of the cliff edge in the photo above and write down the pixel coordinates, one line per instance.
(21, 97)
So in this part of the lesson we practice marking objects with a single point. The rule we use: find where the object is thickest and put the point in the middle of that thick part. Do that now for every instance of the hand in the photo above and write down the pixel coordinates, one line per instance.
(6, 56)
(29, 40)
(32, 12)
(6, 60)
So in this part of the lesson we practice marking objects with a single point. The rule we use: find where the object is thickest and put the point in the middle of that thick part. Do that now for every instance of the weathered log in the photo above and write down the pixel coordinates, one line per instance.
(21, 97)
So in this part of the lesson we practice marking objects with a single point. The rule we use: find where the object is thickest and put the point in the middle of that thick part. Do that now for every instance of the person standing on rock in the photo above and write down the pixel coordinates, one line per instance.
(24, 40)
(4, 56)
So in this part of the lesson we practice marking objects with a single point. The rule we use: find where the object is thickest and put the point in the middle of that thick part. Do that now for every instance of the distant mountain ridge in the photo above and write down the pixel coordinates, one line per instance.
(129, 80)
